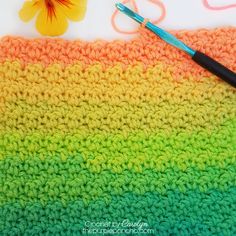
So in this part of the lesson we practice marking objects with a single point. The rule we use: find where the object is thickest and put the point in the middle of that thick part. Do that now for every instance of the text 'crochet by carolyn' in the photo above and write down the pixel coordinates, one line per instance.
(99, 132)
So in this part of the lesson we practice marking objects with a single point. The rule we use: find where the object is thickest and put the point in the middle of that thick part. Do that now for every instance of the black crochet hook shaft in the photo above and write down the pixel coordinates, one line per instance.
(200, 58)
(215, 67)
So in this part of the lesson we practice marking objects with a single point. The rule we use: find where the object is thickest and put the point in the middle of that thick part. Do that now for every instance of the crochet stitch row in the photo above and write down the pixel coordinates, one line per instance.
(112, 131)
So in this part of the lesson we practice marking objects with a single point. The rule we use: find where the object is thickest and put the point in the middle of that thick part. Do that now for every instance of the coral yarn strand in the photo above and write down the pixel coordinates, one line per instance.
(217, 8)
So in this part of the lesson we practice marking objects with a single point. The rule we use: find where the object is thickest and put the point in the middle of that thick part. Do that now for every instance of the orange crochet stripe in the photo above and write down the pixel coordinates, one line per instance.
(146, 49)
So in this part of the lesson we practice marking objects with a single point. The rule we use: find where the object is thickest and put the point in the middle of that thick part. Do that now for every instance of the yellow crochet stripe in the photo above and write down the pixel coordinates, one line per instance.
(90, 100)
(104, 117)
(133, 84)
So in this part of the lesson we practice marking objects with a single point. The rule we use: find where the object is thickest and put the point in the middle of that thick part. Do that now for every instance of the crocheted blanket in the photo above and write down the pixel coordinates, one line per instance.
(117, 137)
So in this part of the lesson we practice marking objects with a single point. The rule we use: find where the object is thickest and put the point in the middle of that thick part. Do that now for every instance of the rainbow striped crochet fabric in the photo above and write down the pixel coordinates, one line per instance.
(117, 138)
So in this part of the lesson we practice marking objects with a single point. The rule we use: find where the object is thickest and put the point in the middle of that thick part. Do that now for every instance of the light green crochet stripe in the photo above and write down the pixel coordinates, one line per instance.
(133, 151)
(49, 180)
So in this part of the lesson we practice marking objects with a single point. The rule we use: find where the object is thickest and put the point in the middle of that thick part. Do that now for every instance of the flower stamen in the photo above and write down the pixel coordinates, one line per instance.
(50, 9)
(66, 3)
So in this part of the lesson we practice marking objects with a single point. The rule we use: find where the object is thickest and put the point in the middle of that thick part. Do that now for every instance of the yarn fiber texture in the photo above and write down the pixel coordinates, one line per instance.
(112, 131)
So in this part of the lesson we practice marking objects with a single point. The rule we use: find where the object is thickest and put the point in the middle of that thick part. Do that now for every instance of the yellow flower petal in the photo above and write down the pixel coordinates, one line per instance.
(51, 26)
(74, 11)
(29, 10)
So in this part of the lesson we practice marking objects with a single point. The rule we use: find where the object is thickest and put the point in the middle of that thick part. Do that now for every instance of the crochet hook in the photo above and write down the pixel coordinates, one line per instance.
(200, 58)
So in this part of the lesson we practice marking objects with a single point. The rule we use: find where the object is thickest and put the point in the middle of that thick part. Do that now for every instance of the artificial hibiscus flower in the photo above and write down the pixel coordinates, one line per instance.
(52, 15)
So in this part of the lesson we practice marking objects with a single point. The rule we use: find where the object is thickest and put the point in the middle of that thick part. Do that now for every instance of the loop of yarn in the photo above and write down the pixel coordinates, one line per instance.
(133, 2)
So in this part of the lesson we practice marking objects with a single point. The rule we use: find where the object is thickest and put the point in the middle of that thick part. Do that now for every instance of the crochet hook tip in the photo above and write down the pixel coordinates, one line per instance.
(120, 6)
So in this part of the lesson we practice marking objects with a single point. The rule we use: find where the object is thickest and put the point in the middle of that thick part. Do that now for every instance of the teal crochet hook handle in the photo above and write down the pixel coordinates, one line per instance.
(200, 58)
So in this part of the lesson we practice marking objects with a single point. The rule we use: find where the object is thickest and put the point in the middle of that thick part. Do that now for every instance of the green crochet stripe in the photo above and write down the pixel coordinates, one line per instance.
(63, 167)
(191, 213)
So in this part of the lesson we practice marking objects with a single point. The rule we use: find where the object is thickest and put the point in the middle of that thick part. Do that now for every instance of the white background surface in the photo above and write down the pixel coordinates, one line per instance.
(181, 14)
